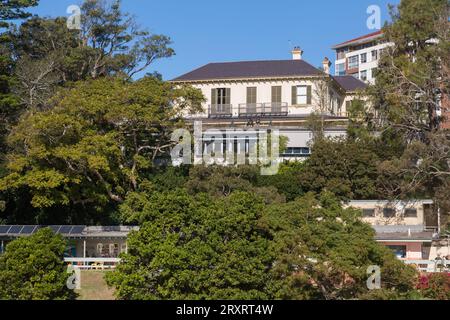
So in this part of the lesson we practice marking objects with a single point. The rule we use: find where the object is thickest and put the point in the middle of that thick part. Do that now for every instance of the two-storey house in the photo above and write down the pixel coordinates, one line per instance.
(278, 94)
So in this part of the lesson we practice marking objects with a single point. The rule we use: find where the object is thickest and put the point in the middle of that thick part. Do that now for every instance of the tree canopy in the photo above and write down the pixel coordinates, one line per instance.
(32, 268)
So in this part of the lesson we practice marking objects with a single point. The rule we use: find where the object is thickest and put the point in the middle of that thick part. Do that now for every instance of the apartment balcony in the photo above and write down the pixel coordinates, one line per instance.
(220, 111)
(272, 109)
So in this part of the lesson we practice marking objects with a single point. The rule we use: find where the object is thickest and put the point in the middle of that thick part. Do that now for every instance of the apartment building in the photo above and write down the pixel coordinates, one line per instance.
(359, 57)
(277, 94)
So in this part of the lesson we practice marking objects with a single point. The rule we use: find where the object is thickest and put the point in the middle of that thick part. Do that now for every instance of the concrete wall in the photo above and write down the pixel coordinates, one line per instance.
(400, 207)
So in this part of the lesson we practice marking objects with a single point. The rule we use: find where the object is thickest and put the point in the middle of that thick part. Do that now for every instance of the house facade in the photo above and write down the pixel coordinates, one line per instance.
(409, 228)
(278, 94)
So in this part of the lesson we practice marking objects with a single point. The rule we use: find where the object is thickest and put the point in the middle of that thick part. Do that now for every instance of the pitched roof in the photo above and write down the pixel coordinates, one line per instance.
(350, 83)
(363, 39)
(251, 69)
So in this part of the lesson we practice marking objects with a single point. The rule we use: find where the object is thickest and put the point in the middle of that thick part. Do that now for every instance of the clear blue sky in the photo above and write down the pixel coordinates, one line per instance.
(207, 31)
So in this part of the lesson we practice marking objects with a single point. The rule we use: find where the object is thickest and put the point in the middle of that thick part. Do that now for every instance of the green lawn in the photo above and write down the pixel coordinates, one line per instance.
(93, 286)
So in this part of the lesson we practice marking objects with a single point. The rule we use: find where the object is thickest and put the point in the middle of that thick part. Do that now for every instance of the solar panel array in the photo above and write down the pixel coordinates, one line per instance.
(28, 230)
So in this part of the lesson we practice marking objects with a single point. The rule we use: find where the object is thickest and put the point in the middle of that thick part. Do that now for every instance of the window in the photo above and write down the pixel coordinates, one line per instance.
(251, 95)
(374, 55)
(353, 62)
(368, 213)
(410, 213)
(220, 96)
(363, 75)
(399, 251)
(297, 152)
(364, 58)
(389, 213)
(340, 69)
(302, 95)
(276, 94)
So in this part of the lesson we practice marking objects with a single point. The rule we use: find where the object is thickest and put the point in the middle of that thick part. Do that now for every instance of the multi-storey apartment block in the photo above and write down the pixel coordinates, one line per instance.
(279, 94)
(359, 57)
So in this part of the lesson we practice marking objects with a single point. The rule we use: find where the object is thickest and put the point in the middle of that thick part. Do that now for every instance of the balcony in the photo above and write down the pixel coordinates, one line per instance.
(220, 111)
(272, 109)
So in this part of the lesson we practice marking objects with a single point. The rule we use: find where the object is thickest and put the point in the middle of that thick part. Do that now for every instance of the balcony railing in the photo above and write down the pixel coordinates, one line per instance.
(273, 109)
(220, 111)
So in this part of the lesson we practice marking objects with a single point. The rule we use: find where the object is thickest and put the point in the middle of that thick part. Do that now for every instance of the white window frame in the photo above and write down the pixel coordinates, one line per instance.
(302, 98)
(353, 65)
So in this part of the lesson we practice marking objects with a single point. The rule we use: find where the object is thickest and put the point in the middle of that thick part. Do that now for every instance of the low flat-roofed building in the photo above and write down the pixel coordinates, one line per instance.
(83, 241)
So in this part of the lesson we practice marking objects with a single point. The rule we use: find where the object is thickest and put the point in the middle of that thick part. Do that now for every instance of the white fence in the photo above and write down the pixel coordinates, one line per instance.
(93, 263)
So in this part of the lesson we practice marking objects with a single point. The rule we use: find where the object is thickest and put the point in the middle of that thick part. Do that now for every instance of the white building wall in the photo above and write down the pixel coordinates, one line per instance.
(264, 94)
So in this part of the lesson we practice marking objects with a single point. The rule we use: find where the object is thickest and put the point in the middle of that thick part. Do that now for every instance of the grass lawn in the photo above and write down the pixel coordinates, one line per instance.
(93, 286)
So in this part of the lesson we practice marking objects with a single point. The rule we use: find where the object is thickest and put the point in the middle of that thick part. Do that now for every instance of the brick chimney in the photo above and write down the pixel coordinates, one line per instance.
(297, 53)
(326, 65)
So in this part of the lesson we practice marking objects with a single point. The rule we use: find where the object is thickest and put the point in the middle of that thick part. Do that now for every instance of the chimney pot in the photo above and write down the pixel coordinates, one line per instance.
(297, 53)
(326, 65)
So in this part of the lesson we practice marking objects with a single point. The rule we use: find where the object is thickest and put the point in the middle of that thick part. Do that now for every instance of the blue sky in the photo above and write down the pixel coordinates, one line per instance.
(206, 31)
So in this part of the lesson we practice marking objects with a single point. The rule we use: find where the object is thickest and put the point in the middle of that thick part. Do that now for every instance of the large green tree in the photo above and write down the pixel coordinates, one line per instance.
(413, 81)
(194, 248)
(49, 54)
(198, 247)
(32, 268)
(323, 252)
(346, 167)
(94, 144)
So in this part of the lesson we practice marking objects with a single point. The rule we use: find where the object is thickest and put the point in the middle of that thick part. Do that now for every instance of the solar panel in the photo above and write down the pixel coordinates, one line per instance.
(15, 229)
(28, 229)
(55, 228)
(4, 229)
(77, 229)
(65, 229)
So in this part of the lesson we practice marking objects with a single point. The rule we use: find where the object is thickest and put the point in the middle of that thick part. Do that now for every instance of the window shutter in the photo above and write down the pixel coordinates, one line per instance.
(228, 96)
(213, 96)
(309, 95)
(276, 94)
(249, 95)
(294, 95)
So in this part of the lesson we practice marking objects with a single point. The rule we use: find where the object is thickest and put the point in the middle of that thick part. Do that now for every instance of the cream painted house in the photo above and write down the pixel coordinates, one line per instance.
(277, 94)
(409, 228)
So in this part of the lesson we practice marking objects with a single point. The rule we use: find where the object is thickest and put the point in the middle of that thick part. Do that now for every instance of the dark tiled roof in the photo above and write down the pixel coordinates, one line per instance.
(363, 39)
(350, 83)
(251, 69)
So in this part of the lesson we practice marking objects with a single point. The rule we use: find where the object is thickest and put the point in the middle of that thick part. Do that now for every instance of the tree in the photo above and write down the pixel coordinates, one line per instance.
(412, 81)
(9, 10)
(194, 247)
(32, 268)
(48, 54)
(198, 247)
(94, 143)
(342, 166)
(221, 181)
(323, 252)
(14, 9)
